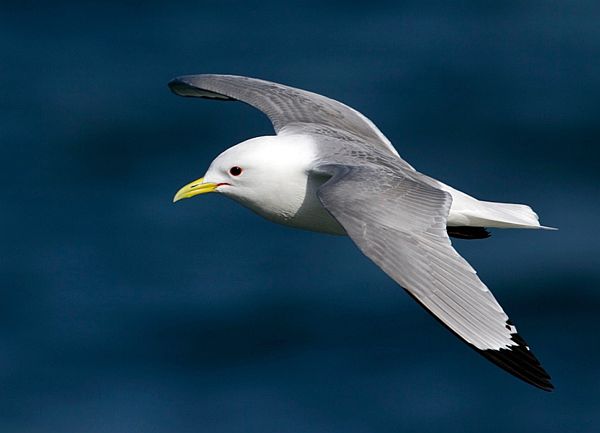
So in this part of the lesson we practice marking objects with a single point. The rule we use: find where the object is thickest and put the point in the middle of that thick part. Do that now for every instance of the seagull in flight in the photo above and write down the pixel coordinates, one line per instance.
(330, 169)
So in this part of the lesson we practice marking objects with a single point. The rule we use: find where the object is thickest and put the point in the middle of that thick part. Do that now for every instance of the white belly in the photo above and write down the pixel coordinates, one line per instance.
(465, 211)
(298, 206)
(313, 216)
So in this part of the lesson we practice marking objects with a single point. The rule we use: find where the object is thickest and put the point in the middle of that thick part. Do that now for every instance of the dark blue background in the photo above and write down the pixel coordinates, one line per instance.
(120, 312)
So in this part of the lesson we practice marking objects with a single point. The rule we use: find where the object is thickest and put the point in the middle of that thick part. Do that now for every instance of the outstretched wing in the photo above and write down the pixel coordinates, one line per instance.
(284, 105)
(400, 224)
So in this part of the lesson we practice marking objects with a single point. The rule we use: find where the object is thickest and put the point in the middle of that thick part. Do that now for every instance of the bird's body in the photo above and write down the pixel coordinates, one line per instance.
(329, 169)
(288, 193)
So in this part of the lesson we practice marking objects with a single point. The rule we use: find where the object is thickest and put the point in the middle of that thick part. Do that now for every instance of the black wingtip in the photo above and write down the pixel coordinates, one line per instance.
(191, 86)
(179, 86)
(519, 361)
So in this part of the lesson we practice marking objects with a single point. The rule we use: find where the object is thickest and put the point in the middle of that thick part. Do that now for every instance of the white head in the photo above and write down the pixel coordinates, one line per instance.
(266, 174)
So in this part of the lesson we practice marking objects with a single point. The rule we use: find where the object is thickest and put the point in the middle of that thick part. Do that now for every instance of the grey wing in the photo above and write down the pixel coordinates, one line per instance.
(400, 224)
(285, 106)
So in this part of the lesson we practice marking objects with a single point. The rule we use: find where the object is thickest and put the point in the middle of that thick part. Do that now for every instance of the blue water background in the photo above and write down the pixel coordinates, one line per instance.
(121, 312)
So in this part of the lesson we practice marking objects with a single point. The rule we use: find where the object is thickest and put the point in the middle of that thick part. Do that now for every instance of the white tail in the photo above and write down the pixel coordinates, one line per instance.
(468, 211)
(492, 214)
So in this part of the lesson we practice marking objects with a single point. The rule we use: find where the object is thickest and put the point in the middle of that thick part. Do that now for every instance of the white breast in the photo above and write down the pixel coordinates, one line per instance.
(284, 192)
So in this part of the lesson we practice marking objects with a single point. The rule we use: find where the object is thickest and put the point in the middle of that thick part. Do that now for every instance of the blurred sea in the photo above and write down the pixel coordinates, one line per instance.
(121, 312)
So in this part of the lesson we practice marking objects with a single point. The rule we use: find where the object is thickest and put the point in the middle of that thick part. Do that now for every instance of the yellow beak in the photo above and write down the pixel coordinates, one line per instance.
(195, 188)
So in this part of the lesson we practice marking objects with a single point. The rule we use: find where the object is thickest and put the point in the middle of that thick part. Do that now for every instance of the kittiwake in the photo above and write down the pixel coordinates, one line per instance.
(330, 169)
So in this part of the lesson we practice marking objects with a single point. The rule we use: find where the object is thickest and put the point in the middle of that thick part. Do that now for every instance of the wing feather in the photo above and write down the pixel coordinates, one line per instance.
(284, 105)
(400, 224)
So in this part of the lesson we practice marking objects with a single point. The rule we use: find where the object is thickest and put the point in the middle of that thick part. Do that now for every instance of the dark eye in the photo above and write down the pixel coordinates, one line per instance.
(235, 171)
